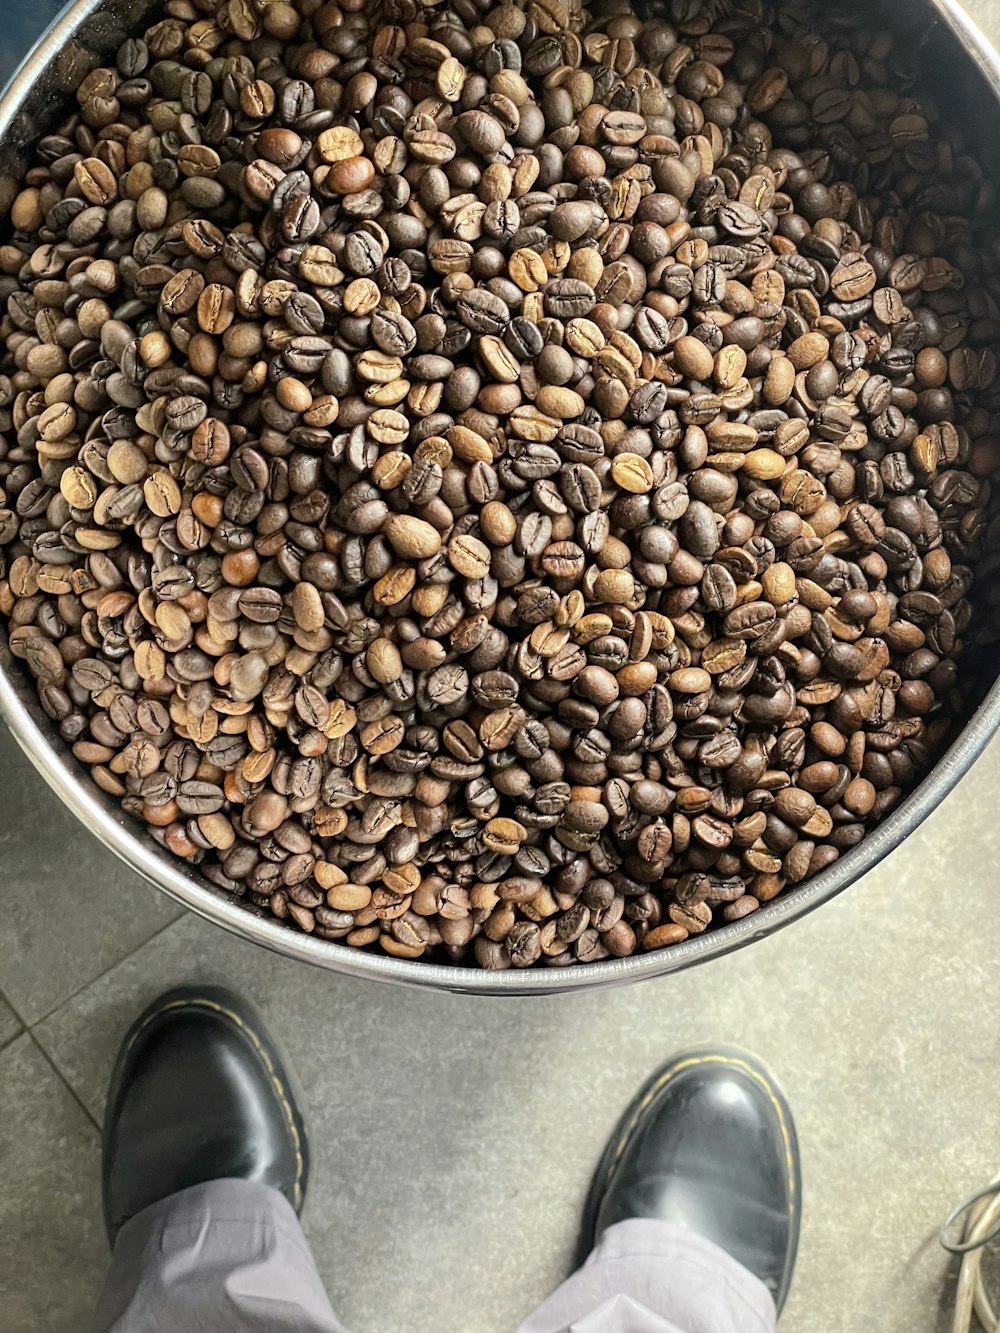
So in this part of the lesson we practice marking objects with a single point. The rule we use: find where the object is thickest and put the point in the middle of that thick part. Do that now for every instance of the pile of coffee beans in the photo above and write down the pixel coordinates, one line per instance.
(497, 483)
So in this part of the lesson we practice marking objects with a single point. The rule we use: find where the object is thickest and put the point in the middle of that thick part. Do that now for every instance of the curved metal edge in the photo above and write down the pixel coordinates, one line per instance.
(101, 816)
(118, 832)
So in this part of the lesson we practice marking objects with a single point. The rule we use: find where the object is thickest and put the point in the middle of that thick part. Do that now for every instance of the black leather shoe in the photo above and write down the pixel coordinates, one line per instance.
(199, 1092)
(708, 1144)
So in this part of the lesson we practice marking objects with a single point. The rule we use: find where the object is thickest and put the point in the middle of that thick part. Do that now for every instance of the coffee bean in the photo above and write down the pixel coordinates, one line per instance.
(469, 557)
(632, 473)
(96, 180)
(413, 538)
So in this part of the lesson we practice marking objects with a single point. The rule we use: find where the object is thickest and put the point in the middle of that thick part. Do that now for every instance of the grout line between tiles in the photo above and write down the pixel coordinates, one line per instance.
(61, 1077)
(20, 1018)
(100, 975)
(12, 1007)
(10, 1040)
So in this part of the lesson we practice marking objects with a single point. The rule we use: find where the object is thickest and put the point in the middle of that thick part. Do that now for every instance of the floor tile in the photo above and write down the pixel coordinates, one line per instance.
(23, 25)
(454, 1137)
(71, 909)
(52, 1247)
(10, 1024)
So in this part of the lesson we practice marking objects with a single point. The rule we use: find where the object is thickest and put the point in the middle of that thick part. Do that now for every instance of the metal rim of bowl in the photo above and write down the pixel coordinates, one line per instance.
(100, 814)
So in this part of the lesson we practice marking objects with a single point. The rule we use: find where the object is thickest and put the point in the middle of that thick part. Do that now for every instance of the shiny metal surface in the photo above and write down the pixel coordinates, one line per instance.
(76, 40)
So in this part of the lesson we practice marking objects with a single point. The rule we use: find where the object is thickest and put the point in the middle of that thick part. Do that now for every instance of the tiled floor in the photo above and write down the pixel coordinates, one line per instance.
(453, 1139)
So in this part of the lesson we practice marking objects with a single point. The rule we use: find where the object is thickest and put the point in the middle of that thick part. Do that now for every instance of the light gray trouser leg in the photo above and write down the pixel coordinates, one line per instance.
(650, 1277)
(225, 1257)
(230, 1257)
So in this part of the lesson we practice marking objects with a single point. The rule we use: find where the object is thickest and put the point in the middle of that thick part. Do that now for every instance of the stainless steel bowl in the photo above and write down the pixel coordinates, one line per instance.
(963, 69)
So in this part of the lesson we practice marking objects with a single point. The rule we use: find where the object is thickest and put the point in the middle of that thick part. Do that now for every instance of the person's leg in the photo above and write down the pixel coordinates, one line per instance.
(204, 1170)
(645, 1276)
(693, 1215)
(224, 1255)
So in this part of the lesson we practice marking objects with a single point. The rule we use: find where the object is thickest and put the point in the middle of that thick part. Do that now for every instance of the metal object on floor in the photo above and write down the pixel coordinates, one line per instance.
(85, 33)
(980, 1216)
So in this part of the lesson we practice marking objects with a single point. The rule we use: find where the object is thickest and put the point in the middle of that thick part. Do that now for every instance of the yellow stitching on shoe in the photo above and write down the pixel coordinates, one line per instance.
(692, 1063)
(279, 1088)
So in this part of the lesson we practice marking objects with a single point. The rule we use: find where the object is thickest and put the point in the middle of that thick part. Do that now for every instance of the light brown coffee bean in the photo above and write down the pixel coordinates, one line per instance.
(632, 473)
(469, 557)
(412, 538)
